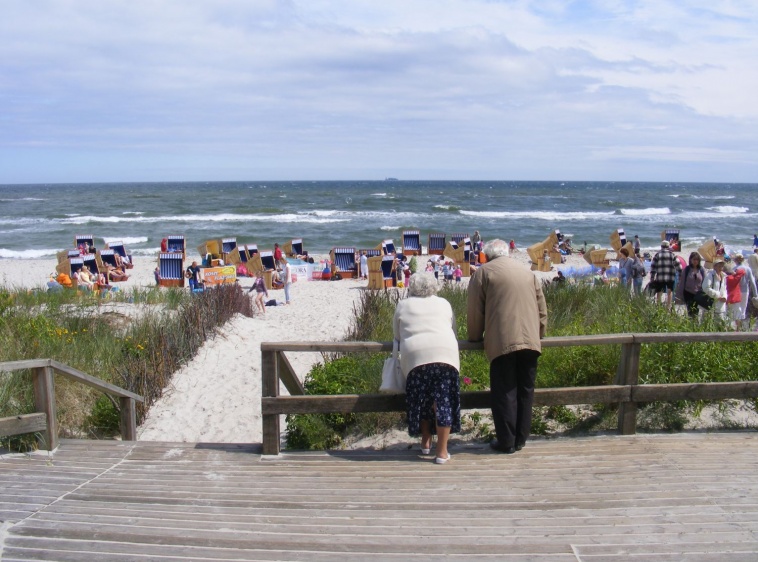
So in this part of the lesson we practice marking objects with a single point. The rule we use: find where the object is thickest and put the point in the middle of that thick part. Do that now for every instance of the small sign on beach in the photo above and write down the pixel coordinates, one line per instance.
(219, 275)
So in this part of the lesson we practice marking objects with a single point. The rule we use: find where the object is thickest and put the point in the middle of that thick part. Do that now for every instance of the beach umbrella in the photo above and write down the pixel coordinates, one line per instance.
(682, 261)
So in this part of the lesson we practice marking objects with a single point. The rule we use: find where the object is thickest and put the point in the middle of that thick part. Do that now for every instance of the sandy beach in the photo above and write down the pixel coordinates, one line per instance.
(216, 396)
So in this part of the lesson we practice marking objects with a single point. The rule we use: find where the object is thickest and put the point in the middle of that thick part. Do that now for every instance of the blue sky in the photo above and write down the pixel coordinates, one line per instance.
(351, 89)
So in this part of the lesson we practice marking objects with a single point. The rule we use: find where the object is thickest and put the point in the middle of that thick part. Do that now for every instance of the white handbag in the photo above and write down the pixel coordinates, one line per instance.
(393, 381)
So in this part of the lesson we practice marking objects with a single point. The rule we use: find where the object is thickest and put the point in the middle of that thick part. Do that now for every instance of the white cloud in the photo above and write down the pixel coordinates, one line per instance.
(485, 88)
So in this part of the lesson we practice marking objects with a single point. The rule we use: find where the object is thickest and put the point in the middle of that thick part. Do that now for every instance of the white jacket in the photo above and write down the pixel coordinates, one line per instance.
(715, 288)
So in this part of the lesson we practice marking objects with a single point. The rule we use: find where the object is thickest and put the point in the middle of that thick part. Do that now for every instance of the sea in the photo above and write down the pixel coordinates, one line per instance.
(36, 221)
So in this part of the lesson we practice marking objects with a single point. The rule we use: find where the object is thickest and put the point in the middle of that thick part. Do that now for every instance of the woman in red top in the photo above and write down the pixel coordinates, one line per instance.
(734, 294)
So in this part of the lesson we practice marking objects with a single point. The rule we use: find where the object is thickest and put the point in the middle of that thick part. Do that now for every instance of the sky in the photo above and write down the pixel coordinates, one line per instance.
(183, 90)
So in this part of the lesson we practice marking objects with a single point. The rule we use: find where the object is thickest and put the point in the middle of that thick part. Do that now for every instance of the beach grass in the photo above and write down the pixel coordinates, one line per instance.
(580, 309)
(135, 347)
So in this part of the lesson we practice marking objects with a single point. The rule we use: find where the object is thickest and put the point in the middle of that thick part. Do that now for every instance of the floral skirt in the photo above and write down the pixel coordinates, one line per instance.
(430, 384)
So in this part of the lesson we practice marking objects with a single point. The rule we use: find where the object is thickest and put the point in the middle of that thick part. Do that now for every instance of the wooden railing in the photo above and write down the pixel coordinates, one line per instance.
(625, 391)
(43, 421)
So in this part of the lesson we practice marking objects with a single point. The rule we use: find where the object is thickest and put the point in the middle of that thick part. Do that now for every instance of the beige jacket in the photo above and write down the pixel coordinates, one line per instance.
(506, 308)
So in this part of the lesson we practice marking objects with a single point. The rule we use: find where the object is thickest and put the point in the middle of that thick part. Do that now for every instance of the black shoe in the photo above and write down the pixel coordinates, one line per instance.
(495, 445)
(520, 446)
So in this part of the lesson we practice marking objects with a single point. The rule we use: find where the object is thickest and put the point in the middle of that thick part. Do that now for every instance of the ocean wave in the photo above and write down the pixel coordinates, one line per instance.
(390, 228)
(645, 212)
(126, 240)
(133, 213)
(447, 207)
(553, 216)
(378, 195)
(8, 199)
(26, 254)
(224, 217)
(728, 209)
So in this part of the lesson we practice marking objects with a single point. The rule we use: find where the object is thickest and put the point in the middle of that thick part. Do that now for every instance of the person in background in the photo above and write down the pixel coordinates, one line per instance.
(277, 253)
(747, 288)
(458, 273)
(507, 310)
(85, 279)
(752, 261)
(476, 241)
(755, 241)
(636, 244)
(364, 265)
(638, 273)
(424, 325)
(560, 279)
(193, 275)
(52, 284)
(261, 293)
(287, 274)
(625, 268)
(663, 272)
(734, 296)
(714, 285)
(157, 275)
(691, 284)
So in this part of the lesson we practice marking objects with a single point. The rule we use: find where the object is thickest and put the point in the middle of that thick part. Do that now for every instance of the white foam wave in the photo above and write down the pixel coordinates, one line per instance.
(127, 240)
(446, 207)
(379, 195)
(729, 209)
(22, 199)
(26, 254)
(714, 197)
(553, 216)
(390, 228)
(645, 212)
(133, 213)
(224, 217)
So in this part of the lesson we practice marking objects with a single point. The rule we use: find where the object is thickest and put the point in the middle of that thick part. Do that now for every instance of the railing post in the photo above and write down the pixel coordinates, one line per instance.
(270, 388)
(128, 418)
(628, 374)
(44, 401)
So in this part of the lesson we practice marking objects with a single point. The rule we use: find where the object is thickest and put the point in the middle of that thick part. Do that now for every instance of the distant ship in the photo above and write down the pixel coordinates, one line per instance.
(391, 179)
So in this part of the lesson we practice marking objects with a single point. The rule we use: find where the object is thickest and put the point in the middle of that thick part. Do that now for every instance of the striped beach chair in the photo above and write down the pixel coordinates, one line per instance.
(94, 263)
(175, 244)
(387, 248)
(87, 239)
(229, 251)
(411, 242)
(118, 247)
(171, 269)
(436, 243)
(344, 259)
(459, 237)
(294, 248)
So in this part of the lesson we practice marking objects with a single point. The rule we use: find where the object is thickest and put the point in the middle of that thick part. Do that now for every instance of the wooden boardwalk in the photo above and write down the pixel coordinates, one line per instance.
(677, 497)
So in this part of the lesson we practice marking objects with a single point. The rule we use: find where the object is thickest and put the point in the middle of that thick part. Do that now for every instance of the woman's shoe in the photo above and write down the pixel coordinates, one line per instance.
(442, 460)
(425, 451)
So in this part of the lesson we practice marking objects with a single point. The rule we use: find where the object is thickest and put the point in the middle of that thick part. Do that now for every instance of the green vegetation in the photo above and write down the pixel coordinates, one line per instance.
(573, 310)
(138, 352)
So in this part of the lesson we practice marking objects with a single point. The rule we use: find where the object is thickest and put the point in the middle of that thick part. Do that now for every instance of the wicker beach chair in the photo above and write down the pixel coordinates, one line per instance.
(381, 271)
(537, 251)
(370, 252)
(210, 252)
(387, 248)
(412, 242)
(344, 260)
(87, 239)
(600, 258)
(294, 248)
(118, 247)
(436, 243)
(171, 269)
(176, 243)
(230, 252)
(458, 237)
(108, 257)
(708, 252)
(64, 255)
(672, 235)
(263, 261)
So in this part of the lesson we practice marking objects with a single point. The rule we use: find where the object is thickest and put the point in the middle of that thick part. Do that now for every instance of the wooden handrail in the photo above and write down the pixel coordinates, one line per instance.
(44, 401)
(626, 391)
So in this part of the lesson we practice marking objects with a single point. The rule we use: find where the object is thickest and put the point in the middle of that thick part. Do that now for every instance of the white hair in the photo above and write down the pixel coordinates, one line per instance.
(495, 248)
(422, 284)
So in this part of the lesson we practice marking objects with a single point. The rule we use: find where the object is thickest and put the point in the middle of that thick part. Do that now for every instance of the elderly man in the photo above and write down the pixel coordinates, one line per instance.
(663, 272)
(747, 289)
(506, 309)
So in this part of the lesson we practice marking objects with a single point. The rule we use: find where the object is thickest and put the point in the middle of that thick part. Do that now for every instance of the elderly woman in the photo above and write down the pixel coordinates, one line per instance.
(425, 327)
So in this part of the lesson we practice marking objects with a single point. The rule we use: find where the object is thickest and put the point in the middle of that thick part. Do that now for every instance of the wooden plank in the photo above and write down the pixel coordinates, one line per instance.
(25, 423)
(355, 403)
(288, 377)
(695, 391)
(84, 378)
(128, 418)
(44, 401)
(691, 337)
(629, 373)
(10, 366)
(269, 389)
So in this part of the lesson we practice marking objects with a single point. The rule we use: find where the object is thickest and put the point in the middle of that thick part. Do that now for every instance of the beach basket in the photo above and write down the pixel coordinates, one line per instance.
(87, 239)
(108, 257)
(387, 248)
(411, 242)
(118, 247)
(230, 252)
(176, 243)
(294, 248)
(370, 252)
(94, 263)
(436, 243)
(536, 251)
(344, 260)
(708, 252)
(618, 239)
(458, 237)
(600, 258)
(171, 269)
(542, 264)
(64, 255)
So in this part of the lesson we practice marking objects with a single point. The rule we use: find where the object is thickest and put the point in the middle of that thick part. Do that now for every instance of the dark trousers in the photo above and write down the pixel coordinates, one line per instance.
(512, 379)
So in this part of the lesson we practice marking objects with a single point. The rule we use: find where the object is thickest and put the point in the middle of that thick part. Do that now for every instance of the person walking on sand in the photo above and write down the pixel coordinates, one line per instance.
(663, 272)
(747, 288)
(259, 286)
(364, 265)
(507, 310)
(714, 285)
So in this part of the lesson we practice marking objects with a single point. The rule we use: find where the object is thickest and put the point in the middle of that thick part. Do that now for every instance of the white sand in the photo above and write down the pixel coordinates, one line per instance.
(216, 396)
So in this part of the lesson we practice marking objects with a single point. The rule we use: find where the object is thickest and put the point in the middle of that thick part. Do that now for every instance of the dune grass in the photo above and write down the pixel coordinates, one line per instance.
(573, 310)
(138, 351)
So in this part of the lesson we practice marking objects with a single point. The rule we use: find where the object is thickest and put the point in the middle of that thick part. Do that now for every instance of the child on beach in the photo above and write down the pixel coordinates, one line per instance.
(458, 273)
(259, 286)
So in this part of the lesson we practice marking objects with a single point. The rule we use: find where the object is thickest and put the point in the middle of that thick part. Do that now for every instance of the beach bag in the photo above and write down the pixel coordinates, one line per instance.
(703, 300)
(393, 381)
(638, 270)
